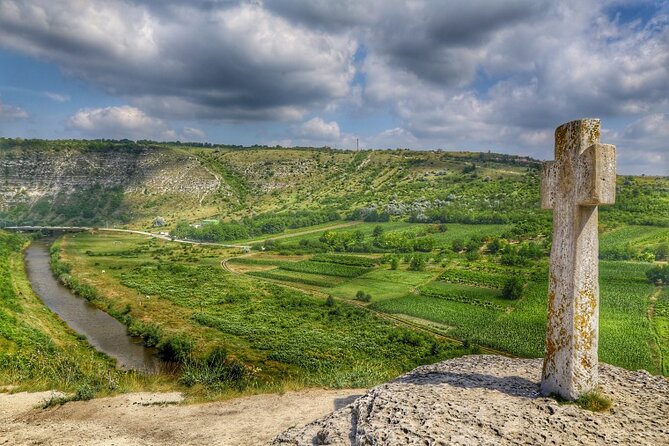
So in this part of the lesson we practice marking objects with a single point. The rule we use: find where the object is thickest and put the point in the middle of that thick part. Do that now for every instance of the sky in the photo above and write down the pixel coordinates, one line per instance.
(446, 74)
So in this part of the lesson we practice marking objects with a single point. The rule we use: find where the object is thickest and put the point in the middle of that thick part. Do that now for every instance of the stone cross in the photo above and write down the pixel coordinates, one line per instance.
(582, 176)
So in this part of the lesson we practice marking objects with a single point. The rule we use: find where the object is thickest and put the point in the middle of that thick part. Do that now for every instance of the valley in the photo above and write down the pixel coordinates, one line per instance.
(301, 268)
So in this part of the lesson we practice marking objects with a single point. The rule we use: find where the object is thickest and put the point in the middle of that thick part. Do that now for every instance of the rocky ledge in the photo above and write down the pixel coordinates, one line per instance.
(492, 400)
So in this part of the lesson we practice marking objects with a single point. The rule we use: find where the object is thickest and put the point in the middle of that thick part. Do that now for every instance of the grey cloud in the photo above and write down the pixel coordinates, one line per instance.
(214, 57)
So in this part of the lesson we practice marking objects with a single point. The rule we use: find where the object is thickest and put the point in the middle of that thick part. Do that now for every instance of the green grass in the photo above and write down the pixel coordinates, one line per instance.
(298, 277)
(381, 284)
(594, 401)
(661, 326)
(474, 277)
(38, 351)
(474, 295)
(366, 262)
(638, 236)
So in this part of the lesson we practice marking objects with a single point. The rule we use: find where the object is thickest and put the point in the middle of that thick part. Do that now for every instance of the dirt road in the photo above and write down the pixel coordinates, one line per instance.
(159, 419)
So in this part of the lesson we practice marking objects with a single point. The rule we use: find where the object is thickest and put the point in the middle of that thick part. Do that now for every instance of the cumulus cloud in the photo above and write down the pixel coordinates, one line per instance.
(480, 74)
(216, 60)
(119, 122)
(316, 128)
(11, 112)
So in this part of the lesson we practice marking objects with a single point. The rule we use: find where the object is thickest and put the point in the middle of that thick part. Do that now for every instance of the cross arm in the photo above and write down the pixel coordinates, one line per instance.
(549, 179)
(597, 175)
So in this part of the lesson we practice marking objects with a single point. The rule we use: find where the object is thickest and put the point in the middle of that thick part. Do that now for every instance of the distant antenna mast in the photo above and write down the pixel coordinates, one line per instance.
(357, 144)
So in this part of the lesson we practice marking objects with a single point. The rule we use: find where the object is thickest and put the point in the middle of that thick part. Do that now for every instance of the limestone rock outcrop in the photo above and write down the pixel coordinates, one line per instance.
(29, 175)
(492, 400)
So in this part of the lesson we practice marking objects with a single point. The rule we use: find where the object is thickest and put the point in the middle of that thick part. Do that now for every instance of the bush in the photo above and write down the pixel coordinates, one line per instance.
(177, 348)
(330, 301)
(513, 288)
(362, 296)
(394, 263)
(417, 263)
(658, 275)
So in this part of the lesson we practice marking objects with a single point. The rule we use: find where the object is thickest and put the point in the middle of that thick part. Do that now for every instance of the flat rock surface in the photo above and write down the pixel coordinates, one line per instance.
(493, 400)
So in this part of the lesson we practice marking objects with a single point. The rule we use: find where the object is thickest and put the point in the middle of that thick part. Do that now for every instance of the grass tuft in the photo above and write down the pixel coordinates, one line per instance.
(594, 401)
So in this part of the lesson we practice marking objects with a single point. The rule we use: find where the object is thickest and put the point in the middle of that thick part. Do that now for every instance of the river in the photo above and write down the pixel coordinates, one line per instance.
(103, 332)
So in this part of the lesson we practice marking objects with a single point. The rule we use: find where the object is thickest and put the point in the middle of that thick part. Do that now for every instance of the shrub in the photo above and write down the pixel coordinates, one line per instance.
(513, 288)
(330, 301)
(362, 296)
(658, 275)
(151, 334)
(394, 263)
(177, 348)
(417, 263)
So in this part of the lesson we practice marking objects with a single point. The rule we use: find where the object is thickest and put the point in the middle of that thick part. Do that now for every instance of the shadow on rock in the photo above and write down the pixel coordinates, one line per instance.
(511, 385)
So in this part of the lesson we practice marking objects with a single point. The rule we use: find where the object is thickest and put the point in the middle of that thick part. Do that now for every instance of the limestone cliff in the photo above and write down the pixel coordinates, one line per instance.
(30, 176)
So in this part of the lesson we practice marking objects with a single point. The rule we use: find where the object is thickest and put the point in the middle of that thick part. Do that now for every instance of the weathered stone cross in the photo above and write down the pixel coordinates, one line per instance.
(582, 176)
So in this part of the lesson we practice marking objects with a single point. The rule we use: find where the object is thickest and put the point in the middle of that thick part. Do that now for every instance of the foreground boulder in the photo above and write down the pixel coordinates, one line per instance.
(492, 400)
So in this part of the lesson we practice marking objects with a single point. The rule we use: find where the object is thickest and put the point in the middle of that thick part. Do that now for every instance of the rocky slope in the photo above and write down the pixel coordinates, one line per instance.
(492, 400)
(29, 175)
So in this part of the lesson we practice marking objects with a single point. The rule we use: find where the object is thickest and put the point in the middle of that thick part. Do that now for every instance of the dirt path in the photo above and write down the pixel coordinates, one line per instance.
(159, 419)
(309, 231)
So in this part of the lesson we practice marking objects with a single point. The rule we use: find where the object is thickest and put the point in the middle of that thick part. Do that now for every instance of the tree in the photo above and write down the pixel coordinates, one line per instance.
(417, 263)
(513, 288)
(394, 263)
(378, 231)
(158, 221)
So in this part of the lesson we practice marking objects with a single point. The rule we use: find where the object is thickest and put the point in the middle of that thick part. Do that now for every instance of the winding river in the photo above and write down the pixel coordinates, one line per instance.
(102, 331)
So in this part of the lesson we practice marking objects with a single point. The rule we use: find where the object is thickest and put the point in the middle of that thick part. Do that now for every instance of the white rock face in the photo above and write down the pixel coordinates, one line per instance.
(492, 400)
(29, 175)
(582, 177)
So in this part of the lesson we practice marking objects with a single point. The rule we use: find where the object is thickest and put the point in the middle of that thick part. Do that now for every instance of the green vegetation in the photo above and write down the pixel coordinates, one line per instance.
(278, 336)
(513, 288)
(658, 275)
(594, 401)
(453, 242)
(37, 350)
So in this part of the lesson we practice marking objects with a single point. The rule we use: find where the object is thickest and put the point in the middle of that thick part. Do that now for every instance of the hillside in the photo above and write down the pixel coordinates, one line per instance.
(123, 182)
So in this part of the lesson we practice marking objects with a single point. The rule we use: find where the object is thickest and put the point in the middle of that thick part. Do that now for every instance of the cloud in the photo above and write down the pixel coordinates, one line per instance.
(11, 112)
(643, 145)
(519, 79)
(480, 74)
(194, 134)
(57, 97)
(119, 122)
(316, 128)
(393, 139)
(241, 63)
